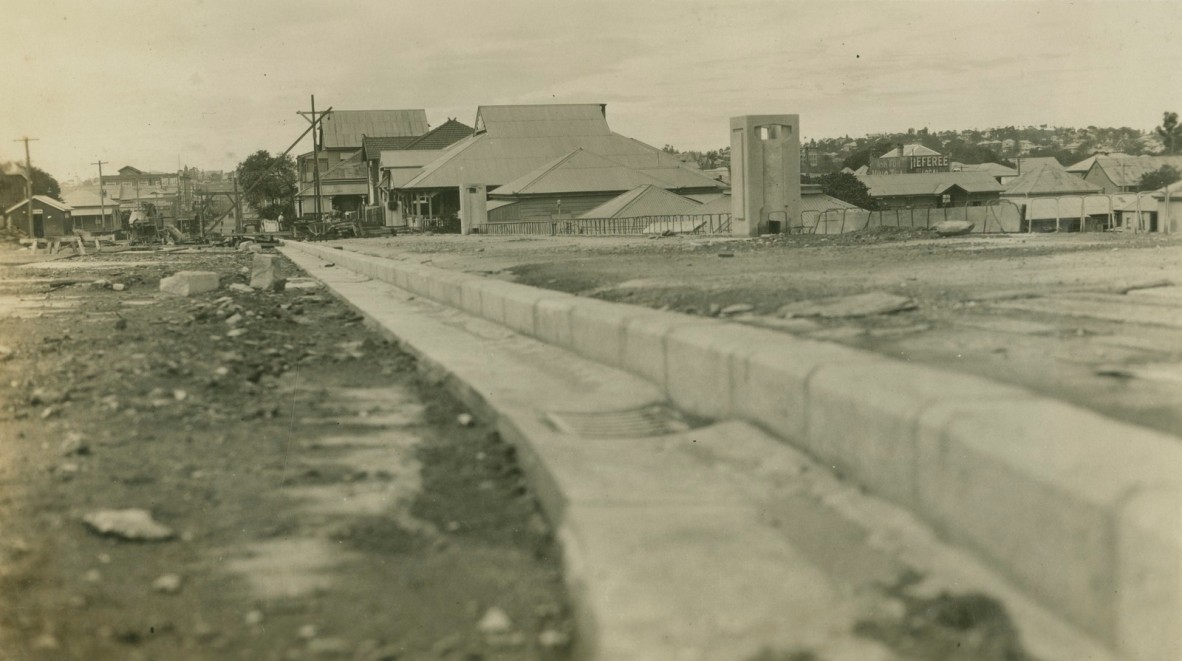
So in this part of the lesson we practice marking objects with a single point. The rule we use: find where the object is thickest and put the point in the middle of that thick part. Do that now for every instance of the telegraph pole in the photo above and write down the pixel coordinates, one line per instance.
(28, 181)
(102, 191)
(314, 117)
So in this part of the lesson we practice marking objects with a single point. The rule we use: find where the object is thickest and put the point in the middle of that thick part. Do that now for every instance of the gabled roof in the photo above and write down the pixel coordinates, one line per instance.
(580, 171)
(407, 158)
(647, 200)
(813, 199)
(1081, 168)
(85, 198)
(345, 129)
(47, 201)
(406, 164)
(442, 136)
(127, 169)
(1127, 171)
(1049, 181)
(1032, 163)
(518, 139)
(372, 148)
(543, 120)
(928, 183)
(910, 150)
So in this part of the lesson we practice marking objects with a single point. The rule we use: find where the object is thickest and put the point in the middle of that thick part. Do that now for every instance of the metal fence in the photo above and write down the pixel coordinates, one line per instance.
(718, 223)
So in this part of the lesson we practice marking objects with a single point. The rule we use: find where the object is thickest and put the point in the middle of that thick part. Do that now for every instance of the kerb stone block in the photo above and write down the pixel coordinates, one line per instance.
(769, 381)
(1149, 579)
(699, 361)
(1036, 486)
(862, 412)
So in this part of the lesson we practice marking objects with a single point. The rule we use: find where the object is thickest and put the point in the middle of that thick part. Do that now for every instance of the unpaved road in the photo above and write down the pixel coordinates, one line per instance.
(1095, 319)
(326, 500)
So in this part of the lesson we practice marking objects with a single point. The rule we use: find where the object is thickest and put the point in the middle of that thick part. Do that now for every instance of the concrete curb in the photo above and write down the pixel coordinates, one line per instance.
(1083, 512)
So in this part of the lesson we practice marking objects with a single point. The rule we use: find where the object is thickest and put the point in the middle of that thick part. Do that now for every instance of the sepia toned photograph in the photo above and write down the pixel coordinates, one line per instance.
(591, 330)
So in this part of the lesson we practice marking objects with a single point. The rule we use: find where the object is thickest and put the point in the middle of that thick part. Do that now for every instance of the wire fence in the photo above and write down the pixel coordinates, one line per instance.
(999, 217)
(719, 223)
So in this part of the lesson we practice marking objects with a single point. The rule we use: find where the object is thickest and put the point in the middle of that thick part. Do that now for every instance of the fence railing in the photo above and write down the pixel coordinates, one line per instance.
(718, 223)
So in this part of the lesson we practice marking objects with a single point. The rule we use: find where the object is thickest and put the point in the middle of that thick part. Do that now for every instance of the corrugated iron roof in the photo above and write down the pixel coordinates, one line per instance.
(647, 200)
(928, 183)
(487, 159)
(345, 129)
(1033, 163)
(580, 171)
(1127, 171)
(407, 158)
(442, 136)
(85, 198)
(47, 201)
(1049, 181)
(543, 120)
(822, 202)
(1083, 166)
(372, 148)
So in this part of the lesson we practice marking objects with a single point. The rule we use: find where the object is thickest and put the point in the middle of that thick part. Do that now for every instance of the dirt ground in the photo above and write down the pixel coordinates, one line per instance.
(990, 305)
(325, 500)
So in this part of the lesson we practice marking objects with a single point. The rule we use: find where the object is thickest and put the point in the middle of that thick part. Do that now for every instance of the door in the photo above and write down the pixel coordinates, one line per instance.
(39, 224)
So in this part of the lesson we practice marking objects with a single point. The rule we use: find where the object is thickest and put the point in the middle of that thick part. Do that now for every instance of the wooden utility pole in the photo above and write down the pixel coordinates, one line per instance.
(28, 181)
(314, 117)
(237, 208)
(102, 191)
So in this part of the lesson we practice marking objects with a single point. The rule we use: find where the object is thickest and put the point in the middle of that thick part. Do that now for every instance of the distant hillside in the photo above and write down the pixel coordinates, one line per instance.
(996, 145)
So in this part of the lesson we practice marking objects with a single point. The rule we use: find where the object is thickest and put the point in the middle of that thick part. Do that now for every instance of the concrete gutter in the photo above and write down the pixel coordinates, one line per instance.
(1082, 512)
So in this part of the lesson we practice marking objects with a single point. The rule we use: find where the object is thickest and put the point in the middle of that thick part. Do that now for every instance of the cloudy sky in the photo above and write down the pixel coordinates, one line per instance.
(206, 82)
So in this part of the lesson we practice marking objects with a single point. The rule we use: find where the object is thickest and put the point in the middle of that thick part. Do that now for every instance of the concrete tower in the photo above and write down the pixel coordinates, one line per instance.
(765, 174)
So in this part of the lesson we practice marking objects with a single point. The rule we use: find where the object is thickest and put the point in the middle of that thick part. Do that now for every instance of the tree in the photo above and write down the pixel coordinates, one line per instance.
(1159, 178)
(847, 188)
(12, 186)
(268, 184)
(1170, 132)
(45, 184)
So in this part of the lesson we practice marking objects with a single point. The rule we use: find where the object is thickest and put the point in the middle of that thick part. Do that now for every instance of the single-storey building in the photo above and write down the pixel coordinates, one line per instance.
(574, 183)
(92, 213)
(1123, 175)
(932, 189)
(51, 218)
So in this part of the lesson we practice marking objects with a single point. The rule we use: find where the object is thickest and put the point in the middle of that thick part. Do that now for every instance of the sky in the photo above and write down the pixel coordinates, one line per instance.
(205, 83)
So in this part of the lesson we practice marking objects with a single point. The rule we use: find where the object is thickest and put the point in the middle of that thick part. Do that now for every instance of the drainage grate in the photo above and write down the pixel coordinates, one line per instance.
(652, 420)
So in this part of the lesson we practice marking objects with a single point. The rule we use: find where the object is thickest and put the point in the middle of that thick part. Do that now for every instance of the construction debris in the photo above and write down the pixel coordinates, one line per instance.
(188, 283)
(128, 524)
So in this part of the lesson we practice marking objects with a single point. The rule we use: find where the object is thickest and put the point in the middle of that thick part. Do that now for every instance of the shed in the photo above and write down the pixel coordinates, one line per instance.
(51, 218)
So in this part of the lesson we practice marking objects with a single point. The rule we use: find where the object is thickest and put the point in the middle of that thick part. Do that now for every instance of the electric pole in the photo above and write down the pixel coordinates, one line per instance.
(102, 191)
(28, 181)
(314, 117)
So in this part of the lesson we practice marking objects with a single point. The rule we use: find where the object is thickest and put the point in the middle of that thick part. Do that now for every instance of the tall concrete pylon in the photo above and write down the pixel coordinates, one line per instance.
(765, 174)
